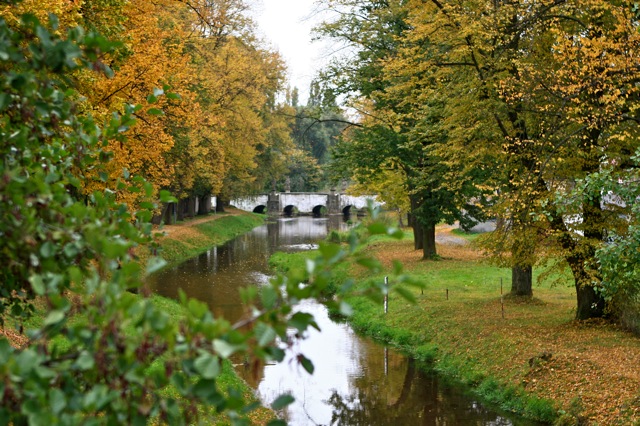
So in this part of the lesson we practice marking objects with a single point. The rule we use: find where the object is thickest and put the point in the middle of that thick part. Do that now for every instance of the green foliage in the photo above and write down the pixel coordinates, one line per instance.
(110, 357)
(52, 237)
(618, 258)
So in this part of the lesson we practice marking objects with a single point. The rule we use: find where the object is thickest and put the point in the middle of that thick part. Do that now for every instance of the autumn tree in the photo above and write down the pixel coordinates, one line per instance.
(535, 89)
(388, 134)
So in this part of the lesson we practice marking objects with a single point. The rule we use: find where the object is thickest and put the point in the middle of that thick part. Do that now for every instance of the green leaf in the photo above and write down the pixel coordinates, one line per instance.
(207, 365)
(47, 250)
(85, 361)
(37, 284)
(396, 233)
(346, 309)
(155, 264)
(57, 400)
(405, 293)
(369, 263)
(302, 320)
(306, 363)
(54, 317)
(207, 390)
(264, 334)
(225, 349)
(282, 401)
(155, 111)
(166, 197)
(6, 350)
(269, 297)
(397, 267)
(377, 228)
(328, 250)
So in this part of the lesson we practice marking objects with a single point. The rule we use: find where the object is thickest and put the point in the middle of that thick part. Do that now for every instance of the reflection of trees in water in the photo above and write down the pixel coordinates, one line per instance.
(420, 400)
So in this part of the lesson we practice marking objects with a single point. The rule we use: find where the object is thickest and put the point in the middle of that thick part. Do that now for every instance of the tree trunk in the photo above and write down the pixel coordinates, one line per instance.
(521, 279)
(418, 231)
(406, 384)
(204, 207)
(220, 204)
(590, 303)
(191, 206)
(180, 210)
(169, 214)
(429, 239)
(418, 235)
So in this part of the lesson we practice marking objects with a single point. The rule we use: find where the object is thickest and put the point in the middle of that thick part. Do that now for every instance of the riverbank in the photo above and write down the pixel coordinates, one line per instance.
(527, 357)
(178, 243)
(192, 237)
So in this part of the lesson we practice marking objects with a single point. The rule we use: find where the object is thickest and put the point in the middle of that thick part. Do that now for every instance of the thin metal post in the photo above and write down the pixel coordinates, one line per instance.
(386, 294)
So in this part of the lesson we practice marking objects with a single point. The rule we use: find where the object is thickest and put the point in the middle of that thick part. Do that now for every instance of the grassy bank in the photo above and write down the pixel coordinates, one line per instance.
(528, 357)
(192, 237)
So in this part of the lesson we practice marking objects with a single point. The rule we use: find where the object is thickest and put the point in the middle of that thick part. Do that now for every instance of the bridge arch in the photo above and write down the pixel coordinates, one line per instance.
(349, 210)
(261, 209)
(320, 210)
(290, 210)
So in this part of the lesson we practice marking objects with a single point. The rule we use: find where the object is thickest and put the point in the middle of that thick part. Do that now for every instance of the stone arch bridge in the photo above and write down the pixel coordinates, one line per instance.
(311, 203)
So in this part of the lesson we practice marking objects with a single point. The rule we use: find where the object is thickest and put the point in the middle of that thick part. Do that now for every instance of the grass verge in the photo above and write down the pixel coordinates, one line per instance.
(528, 357)
(190, 238)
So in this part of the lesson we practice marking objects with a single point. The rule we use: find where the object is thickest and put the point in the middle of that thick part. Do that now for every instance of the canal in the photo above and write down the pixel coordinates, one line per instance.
(356, 381)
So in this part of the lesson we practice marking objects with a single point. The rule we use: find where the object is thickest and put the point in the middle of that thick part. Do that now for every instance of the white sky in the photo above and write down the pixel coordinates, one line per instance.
(287, 24)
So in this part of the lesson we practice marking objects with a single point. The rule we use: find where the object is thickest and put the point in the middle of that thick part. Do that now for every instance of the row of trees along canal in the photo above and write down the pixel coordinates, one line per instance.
(226, 127)
(522, 111)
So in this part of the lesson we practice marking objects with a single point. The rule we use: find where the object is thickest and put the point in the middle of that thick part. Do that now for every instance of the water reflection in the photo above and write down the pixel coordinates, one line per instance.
(356, 382)
(216, 275)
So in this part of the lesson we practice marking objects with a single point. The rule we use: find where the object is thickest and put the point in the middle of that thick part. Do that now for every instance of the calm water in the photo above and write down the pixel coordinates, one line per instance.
(356, 381)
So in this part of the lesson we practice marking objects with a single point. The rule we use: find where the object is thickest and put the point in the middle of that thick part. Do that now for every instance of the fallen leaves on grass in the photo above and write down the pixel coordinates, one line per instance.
(593, 370)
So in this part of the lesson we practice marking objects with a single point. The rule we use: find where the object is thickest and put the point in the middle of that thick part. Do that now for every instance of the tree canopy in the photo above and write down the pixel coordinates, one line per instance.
(102, 354)
(502, 109)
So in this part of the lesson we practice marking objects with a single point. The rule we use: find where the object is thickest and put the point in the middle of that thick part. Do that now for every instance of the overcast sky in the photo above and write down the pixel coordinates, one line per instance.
(286, 24)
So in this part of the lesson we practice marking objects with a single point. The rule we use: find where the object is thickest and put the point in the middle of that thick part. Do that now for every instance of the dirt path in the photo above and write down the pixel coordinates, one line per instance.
(444, 236)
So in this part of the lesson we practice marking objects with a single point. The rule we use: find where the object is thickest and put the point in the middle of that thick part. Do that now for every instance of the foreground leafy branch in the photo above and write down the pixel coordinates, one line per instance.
(102, 354)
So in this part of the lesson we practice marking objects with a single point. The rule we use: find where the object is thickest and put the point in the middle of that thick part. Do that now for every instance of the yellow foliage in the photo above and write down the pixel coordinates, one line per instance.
(202, 51)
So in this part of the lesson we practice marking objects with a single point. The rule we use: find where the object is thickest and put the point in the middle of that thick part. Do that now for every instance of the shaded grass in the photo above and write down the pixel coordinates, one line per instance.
(469, 236)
